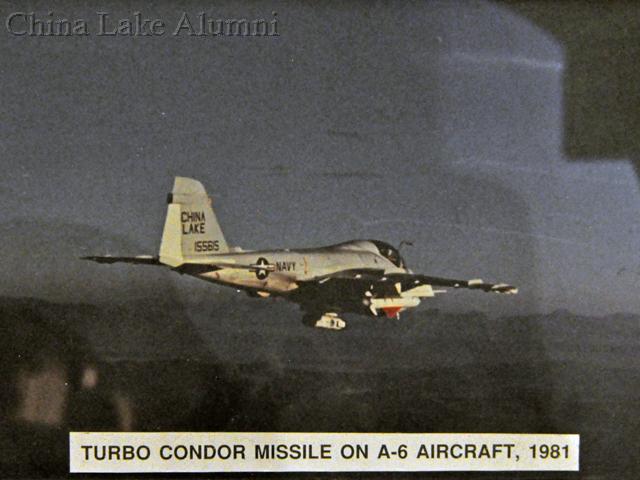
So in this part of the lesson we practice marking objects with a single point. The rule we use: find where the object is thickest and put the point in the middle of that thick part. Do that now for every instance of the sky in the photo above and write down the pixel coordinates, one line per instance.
(440, 123)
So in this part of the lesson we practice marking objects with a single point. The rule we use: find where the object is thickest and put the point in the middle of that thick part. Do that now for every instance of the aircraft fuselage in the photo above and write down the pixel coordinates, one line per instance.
(279, 271)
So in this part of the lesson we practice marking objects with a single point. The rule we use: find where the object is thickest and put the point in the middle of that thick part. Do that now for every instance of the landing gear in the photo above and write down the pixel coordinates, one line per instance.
(329, 320)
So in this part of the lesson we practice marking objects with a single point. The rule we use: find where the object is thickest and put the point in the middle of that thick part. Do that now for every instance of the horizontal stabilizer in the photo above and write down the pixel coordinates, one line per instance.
(207, 265)
(140, 259)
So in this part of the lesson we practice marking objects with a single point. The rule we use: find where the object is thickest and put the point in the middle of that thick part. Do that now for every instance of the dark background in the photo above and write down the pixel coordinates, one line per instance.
(501, 138)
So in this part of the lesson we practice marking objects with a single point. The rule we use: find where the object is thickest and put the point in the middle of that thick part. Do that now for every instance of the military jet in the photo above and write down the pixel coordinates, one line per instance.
(360, 276)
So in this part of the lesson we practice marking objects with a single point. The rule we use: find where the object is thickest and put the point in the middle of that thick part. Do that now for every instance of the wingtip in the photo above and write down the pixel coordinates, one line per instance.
(505, 288)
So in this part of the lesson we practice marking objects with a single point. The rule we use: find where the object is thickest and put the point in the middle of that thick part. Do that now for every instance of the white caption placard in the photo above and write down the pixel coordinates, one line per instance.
(113, 452)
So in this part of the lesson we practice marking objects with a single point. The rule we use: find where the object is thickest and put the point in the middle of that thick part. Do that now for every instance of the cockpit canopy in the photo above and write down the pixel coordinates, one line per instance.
(389, 252)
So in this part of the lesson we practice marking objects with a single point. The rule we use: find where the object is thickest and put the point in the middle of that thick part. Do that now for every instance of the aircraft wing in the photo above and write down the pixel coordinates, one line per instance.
(358, 274)
(411, 280)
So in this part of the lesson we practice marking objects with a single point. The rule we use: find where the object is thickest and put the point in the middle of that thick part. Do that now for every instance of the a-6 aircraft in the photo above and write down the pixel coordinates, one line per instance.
(360, 276)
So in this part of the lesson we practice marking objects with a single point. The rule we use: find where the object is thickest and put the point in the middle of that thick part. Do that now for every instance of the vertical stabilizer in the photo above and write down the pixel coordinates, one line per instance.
(191, 230)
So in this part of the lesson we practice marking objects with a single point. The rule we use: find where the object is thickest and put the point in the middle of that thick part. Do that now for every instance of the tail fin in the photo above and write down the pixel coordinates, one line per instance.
(191, 229)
